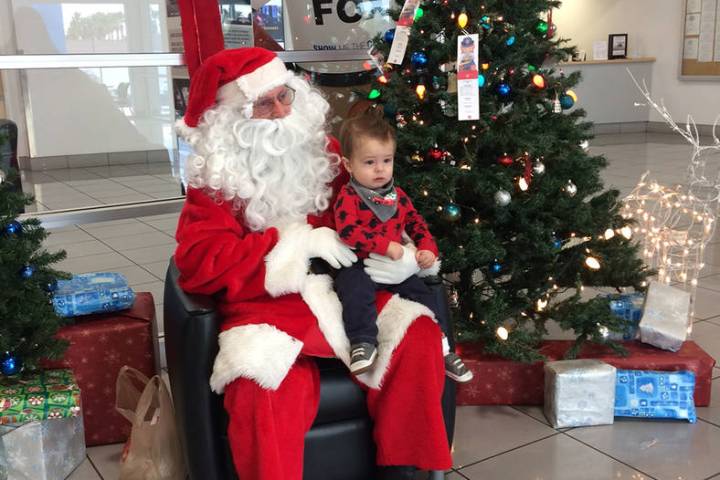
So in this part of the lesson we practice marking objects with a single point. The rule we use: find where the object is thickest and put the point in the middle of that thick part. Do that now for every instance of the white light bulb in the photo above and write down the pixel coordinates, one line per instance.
(592, 263)
(626, 232)
(502, 333)
(609, 233)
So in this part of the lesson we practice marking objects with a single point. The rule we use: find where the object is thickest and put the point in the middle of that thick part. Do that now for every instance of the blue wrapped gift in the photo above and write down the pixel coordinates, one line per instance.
(645, 393)
(92, 293)
(629, 307)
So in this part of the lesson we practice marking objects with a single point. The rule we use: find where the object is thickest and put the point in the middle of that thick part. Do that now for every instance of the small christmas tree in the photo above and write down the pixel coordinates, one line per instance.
(515, 201)
(28, 322)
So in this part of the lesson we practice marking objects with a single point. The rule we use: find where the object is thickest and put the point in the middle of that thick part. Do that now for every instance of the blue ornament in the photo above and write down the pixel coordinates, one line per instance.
(10, 364)
(557, 243)
(452, 212)
(389, 35)
(566, 102)
(496, 267)
(418, 59)
(27, 271)
(481, 80)
(510, 40)
(13, 228)
(503, 89)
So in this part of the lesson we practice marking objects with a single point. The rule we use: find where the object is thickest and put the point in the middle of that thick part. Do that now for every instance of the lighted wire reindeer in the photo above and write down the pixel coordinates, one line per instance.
(676, 223)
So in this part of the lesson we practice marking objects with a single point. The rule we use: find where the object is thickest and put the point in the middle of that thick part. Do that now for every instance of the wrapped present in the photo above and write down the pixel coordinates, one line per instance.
(630, 308)
(48, 394)
(92, 293)
(41, 427)
(642, 393)
(499, 381)
(42, 450)
(665, 319)
(99, 346)
(579, 393)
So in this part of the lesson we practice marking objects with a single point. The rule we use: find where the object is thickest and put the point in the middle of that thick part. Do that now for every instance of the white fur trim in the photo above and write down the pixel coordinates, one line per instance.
(286, 265)
(265, 354)
(183, 129)
(248, 88)
(433, 270)
(396, 317)
(263, 79)
(261, 353)
(320, 296)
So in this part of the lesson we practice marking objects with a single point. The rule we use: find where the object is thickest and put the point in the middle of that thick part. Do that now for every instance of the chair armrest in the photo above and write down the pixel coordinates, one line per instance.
(193, 304)
(444, 319)
(191, 344)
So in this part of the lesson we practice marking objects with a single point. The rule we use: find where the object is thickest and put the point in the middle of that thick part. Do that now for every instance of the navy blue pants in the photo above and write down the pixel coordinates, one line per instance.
(356, 291)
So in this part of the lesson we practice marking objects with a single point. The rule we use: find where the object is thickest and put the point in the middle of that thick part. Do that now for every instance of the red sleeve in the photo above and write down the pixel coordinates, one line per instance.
(349, 225)
(415, 225)
(215, 252)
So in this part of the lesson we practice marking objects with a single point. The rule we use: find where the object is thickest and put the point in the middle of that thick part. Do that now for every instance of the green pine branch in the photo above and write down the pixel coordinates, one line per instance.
(29, 322)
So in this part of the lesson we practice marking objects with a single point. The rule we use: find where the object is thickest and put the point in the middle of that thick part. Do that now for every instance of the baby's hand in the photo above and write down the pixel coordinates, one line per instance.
(425, 258)
(394, 251)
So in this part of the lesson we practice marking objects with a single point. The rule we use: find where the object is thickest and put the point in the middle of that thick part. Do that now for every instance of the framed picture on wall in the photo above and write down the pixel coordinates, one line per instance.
(617, 45)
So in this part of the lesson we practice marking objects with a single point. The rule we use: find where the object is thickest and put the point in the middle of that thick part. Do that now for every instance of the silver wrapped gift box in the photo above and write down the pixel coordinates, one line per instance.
(579, 393)
(665, 319)
(42, 450)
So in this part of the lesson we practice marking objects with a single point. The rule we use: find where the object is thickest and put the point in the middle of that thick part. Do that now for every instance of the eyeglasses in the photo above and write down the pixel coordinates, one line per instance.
(265, 105)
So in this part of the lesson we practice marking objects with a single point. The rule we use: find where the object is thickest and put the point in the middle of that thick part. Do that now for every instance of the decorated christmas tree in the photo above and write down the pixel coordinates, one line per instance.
(495, 157)
(28, 322)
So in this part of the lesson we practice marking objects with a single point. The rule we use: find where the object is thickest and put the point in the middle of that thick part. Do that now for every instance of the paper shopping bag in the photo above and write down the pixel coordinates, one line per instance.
(153, 450)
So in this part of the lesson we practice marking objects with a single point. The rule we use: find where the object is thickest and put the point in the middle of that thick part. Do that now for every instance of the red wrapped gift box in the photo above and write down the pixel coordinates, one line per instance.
(99, 346)
(503, 382)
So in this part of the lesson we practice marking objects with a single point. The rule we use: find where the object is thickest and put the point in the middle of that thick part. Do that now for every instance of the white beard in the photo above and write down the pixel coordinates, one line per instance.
(274, 171)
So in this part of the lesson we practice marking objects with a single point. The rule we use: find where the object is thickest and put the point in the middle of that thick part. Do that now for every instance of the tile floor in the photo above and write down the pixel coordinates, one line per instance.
(491, 443)
(66, 188)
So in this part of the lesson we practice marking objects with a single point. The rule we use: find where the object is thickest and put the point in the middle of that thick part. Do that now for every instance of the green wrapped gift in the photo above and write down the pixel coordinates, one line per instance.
(45, 395)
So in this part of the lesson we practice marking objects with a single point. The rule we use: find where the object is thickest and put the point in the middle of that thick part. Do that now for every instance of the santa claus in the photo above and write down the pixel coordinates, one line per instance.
(261, 185)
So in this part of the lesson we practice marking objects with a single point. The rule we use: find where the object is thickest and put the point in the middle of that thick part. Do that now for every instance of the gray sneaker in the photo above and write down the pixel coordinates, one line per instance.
(456, 369)
(362, 357)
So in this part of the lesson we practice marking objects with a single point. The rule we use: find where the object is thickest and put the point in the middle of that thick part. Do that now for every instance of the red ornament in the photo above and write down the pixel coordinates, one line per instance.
(435, 154)
(506, 160)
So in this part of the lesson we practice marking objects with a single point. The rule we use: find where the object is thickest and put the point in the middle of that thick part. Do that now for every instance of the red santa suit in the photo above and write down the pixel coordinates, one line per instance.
(276, 316)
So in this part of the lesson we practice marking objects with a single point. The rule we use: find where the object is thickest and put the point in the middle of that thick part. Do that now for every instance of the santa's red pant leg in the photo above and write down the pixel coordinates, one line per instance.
(267, 428)
(407, 411)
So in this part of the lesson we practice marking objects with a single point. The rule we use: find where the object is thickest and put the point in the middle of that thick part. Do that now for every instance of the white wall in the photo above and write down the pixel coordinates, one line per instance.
(654, 29)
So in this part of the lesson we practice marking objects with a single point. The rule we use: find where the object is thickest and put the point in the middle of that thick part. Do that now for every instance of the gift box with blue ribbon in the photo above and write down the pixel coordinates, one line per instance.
(92, 293)
(651, 394)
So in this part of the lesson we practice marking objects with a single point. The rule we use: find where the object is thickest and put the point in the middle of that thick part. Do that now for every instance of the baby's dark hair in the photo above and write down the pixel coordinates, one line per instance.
(370, 123)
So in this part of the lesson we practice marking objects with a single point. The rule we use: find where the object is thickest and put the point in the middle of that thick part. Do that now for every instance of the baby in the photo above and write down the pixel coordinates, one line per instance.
(371, 214)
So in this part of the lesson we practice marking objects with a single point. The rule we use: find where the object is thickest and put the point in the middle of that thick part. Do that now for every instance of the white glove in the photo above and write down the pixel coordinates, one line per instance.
(325, 243)
(385, 270)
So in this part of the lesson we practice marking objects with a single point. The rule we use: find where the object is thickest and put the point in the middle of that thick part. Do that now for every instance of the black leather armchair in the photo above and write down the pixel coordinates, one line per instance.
(338, 447)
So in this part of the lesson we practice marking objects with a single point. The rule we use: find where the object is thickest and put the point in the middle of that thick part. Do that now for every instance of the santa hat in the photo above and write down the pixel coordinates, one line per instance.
(237, 76)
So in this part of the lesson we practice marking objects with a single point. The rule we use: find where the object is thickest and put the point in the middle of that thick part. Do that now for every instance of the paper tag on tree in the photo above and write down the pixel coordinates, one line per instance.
(467, 77)
(402, 32)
